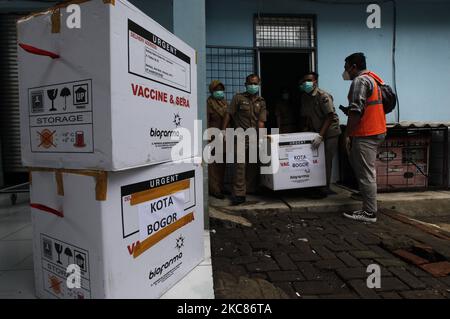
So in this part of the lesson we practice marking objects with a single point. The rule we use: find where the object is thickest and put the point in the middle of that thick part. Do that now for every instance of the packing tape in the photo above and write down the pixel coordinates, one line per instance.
(101, 179)
(147, 195)
(59, 6)
(101, 186)
(56, 21)
(163, 233)
(59, 183)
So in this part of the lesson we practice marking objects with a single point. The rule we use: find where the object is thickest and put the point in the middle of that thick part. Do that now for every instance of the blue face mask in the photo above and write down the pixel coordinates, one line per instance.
(252, 88)
(307, 87)
(219, 95)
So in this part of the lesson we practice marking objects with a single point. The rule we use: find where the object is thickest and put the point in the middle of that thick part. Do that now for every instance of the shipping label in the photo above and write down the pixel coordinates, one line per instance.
(56, 256)
(300, 160)
(61, 118)
(149, 207)
(153, 57)
(156, 214)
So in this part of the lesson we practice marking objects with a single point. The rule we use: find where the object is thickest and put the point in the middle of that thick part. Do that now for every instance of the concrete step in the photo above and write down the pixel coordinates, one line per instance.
(414, 204)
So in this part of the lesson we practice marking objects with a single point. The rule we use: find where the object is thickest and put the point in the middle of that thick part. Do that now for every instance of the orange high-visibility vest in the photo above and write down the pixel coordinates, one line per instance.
(373, 120)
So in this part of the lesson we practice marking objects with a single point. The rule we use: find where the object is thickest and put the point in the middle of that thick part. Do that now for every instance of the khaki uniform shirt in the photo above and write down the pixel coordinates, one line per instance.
(246, 112)
(315, 109)
(215, 118)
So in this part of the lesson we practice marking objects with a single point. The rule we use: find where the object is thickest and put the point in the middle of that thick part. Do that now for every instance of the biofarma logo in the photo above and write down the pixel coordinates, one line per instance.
(177, 120)
(158, 271)
(156, 132)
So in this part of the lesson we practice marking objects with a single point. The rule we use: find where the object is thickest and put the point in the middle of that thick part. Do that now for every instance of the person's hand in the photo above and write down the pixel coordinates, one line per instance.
(316, 142)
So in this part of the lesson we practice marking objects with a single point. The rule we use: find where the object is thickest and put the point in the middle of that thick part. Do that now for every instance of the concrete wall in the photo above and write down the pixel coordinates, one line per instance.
(424, 60)
(423, 45)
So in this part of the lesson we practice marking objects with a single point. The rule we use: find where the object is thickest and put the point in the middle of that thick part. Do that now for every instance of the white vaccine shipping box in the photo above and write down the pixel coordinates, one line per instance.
(109, 95)
(127, 234)
(293, 162)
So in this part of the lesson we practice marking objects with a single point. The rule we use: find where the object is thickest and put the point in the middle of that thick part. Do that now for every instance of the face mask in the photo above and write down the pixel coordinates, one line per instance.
(285, 96)
(307, 87)
(252, 88)
(346, 76)
(219, 95)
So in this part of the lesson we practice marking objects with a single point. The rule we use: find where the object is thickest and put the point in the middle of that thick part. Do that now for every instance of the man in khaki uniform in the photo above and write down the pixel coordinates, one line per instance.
(319, 115)
(216, 107)
(248, 110)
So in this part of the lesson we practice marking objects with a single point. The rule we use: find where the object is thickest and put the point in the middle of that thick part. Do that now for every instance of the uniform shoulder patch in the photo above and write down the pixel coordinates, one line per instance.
(325, 98)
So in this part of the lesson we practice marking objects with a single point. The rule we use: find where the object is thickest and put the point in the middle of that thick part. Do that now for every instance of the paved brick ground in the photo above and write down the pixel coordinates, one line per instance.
(320, 256)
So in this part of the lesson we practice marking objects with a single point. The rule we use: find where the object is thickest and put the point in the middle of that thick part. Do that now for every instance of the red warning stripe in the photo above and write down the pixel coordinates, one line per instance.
(47, 209)
(37, 51)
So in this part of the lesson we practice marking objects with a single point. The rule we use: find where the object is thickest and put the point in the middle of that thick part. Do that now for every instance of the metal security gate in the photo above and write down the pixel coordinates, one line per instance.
(230, 65)
(9, 97)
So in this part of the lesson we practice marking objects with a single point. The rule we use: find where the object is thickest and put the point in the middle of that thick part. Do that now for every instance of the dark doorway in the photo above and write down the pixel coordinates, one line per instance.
(278, 70)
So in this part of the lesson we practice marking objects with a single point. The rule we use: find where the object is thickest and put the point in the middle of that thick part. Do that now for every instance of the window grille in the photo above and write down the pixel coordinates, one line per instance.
(230, 65)
(285, 32)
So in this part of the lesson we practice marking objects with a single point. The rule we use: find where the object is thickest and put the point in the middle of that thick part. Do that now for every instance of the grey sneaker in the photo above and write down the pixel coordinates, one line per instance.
(362, 215)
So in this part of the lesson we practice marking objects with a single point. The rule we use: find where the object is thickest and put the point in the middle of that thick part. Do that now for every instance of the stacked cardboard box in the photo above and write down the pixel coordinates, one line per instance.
(101, 107)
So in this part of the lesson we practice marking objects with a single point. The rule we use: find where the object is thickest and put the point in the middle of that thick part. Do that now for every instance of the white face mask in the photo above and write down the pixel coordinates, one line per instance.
(346, 76)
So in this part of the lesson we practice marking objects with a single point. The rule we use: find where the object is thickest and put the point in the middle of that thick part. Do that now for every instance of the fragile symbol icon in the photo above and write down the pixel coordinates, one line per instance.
(52, 95)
